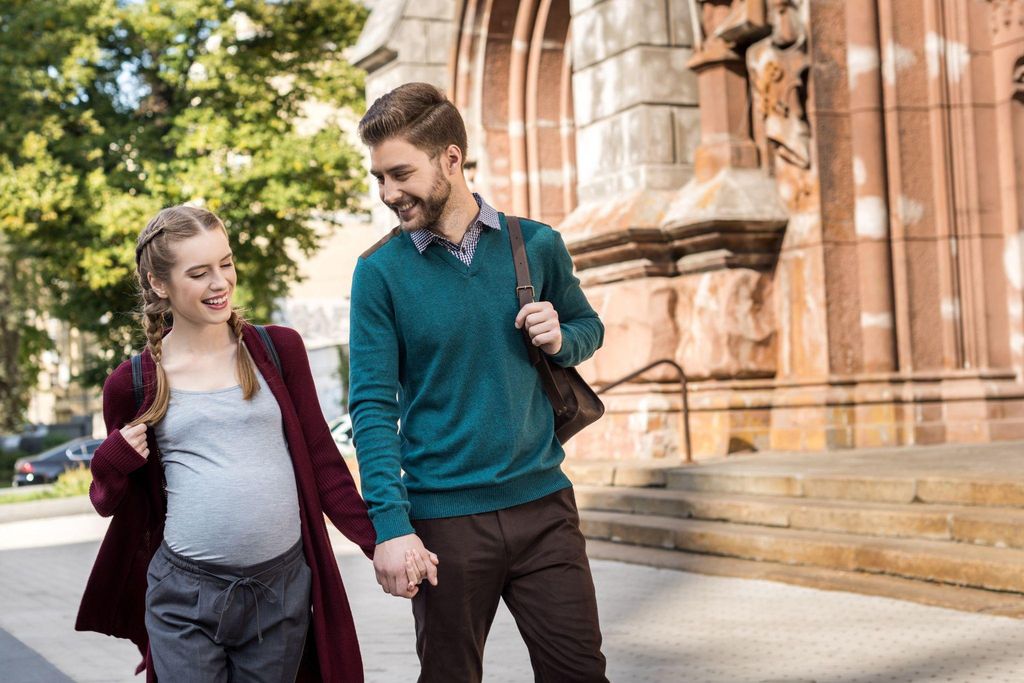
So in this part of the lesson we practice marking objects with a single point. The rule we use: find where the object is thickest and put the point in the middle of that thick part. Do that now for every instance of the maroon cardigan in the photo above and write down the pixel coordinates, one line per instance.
(130, 488)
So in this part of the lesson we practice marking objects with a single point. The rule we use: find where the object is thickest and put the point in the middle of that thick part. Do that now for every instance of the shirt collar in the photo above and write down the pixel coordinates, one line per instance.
(488, 218)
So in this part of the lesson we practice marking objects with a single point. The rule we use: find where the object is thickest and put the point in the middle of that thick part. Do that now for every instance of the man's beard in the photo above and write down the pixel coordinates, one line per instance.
(432, 207)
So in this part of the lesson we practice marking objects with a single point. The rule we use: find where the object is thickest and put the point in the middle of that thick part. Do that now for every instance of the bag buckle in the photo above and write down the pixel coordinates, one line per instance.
(529, 287)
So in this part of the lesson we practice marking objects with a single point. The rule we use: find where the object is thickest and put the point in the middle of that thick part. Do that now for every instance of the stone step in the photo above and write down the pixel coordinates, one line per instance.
(614, 473)
(926, 593)
(958, 564)
(946, 488)
(1000, 527)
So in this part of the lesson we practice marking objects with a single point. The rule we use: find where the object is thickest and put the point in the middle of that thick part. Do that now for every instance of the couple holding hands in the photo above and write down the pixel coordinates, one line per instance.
(219, 468)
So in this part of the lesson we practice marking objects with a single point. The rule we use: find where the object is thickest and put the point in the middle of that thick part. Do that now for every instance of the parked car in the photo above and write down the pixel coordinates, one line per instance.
(341, 430)
(9, 442)
(33, 438)
(45, 467)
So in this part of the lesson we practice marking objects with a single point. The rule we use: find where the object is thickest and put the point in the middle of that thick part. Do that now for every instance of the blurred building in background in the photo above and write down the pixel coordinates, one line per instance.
(813, 206)
(58, 399)
(318, 308)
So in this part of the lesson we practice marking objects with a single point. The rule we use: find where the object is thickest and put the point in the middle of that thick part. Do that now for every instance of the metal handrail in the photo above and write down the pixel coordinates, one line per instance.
(685, 416)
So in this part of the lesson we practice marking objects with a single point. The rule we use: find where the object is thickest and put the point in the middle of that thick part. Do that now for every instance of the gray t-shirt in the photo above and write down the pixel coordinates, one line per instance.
(231, 496)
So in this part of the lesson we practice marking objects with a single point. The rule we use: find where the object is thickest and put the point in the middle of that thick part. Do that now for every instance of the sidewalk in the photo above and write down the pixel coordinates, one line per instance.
(660, 626)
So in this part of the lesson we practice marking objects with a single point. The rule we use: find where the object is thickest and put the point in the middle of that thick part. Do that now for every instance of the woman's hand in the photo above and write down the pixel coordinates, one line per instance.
(136, 438)
(416, 569)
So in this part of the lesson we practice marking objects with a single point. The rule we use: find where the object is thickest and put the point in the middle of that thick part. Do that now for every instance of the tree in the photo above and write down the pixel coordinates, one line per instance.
(116, 109)
(44, 58)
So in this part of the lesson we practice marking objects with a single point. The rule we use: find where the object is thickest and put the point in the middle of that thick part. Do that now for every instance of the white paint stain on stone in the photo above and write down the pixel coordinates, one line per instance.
(871, 217)
(553, 177)
(1011, 260)
(704, 298)
(911, 211)
(787, 192)
(860, 172)
(955, 55)
(860, 59)
(761, 59)
(1017, 342)
(802, 227)
(950, 309)
(896, 59)
(876, 320)
(1015, 307)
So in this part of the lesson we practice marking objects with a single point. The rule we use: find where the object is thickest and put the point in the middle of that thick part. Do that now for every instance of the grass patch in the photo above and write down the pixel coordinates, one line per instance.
(74, 482)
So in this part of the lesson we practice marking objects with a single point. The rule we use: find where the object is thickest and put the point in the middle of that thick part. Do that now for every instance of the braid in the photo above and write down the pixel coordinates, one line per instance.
(244, 366)
(153, 320)
(237, 325)
(154, 310)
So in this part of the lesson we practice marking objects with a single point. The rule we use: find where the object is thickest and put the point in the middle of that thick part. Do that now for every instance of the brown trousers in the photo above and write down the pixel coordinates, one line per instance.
(534, 557)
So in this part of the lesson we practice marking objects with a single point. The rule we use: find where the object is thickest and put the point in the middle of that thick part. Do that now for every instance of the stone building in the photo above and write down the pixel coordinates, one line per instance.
(813, 206)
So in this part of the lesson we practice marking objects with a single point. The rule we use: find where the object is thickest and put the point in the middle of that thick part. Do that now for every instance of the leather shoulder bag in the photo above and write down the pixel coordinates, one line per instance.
(574, 403)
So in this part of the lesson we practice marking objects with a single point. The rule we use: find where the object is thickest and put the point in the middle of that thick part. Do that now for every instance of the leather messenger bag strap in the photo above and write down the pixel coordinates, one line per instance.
(525, 293)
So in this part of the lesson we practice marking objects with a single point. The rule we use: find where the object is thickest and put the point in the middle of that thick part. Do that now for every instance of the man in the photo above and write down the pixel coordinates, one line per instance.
(437, 346)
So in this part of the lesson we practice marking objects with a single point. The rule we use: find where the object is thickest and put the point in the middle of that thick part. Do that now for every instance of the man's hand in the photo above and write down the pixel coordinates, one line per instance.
(541, 321)
(401, 563)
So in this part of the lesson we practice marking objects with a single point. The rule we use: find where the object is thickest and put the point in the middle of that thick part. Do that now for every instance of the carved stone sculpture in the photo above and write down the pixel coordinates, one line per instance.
(778, 67)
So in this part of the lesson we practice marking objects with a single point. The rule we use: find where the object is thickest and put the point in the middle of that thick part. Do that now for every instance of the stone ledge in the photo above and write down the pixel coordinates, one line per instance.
(997, 527)
(936, 561)
(937, 595)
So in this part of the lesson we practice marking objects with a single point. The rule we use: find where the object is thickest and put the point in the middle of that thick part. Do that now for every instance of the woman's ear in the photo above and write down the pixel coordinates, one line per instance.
(158, 286)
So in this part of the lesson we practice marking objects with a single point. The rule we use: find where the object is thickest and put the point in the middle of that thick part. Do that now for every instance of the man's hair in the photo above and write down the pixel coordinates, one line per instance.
(420, 114)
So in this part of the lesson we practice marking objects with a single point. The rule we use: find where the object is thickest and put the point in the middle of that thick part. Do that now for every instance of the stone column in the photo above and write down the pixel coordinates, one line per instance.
(1007, 26)
(637, 127)
(871, 221)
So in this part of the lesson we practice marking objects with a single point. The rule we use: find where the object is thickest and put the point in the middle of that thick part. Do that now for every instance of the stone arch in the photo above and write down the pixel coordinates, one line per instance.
(512, 79)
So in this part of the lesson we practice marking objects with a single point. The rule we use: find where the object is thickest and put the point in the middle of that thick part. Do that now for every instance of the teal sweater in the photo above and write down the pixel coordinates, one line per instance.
(434, 348)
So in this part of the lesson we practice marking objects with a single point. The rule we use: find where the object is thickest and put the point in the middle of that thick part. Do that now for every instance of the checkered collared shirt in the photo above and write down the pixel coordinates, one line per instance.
(487, 218)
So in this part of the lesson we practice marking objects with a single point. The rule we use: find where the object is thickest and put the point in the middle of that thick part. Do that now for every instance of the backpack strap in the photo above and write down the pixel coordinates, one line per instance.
(138, 389)
(268, 344)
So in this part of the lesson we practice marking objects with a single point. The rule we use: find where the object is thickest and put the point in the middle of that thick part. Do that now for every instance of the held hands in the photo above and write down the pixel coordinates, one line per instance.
(541, 321)
(136, 438)
(402, 563)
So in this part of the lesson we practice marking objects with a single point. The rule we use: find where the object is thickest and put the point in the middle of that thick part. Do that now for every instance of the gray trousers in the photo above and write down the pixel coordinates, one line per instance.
(210, 623)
